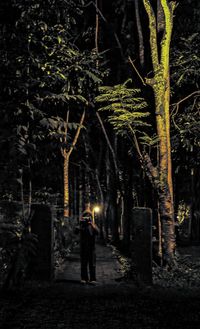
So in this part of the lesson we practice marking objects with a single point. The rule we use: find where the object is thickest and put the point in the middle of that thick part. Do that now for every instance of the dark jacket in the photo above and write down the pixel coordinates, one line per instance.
(88, 232)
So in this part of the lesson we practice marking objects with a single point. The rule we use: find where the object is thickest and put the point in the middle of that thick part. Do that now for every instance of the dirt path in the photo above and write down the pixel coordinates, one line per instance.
(66, 304)
(107, 266)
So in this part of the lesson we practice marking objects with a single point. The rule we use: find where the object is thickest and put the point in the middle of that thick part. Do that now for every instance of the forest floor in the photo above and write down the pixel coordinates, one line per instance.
(111, 303)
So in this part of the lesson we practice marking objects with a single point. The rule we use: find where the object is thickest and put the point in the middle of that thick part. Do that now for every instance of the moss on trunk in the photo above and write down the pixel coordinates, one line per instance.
(161, 89)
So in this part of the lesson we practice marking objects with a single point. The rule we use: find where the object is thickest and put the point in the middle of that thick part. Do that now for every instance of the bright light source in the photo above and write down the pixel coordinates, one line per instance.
(96, 209)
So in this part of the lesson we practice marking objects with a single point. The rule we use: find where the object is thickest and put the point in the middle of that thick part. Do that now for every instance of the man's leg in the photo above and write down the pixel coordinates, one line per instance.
(92, 265)
(84, 263)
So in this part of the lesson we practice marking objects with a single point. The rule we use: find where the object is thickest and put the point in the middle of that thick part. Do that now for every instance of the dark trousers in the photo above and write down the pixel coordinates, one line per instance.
(88, 259)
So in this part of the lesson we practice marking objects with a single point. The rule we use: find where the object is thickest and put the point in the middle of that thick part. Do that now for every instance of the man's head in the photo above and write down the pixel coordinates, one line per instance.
(87, 216)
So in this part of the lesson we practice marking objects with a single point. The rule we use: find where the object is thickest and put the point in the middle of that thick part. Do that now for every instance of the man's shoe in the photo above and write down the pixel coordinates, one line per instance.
(93, 282)
(83, 281)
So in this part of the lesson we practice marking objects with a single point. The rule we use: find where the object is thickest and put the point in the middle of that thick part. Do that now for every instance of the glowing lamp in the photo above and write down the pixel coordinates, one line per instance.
(96, 209)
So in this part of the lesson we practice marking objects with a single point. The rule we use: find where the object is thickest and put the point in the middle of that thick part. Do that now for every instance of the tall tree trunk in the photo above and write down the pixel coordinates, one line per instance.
(29, 189)
(66, 183)
(111, 215)
(127, 217)
(75, 198)
(22, 193)
(87, 177)
(66, 155)
(140, 34)
(107, 196)
(161, 88)
(101, 198)
(114, 214)
(29, 196)
(80, 193)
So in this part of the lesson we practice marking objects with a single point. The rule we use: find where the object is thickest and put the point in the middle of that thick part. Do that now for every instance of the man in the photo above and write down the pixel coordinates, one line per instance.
(88, 231)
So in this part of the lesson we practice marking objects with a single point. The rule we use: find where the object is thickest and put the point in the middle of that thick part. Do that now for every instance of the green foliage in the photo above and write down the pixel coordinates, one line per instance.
(186, 61)
(186, 136)
(43, 74)
(185, 132)
(17, 247)
(149, 140)
(126, 108)
(67, 74)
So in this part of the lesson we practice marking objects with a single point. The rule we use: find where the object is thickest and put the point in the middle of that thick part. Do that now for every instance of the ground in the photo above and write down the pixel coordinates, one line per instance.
(112, 303)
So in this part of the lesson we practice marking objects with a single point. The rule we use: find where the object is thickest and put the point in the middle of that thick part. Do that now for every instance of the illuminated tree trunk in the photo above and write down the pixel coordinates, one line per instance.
(66, 152)
(66, 183)
(161, 89)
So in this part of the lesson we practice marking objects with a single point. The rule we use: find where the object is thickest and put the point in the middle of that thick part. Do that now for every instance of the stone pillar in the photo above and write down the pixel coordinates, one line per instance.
(142, 244)
(42, 267)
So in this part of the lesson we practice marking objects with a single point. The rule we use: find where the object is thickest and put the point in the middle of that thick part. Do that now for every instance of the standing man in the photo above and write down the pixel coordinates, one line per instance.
(88, 231)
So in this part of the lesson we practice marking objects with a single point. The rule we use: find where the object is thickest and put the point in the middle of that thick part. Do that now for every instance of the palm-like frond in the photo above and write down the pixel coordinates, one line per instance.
(126, 105)
(149, 140)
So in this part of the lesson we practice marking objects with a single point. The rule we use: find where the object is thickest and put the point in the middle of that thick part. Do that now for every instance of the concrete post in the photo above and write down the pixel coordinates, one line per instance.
(142, 244)
(42, 225)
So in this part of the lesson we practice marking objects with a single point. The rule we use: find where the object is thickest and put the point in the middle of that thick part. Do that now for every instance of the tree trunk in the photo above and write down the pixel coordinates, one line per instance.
(127, 217)
(80, 194)
(161, 88)
(101, 198)
(114, 216)
(66, 183)
(22, 193)
(66, 155)
(87, 177)
(74, 192)
(140, 34)
(29, 189)
(29, 196)
(107, 196)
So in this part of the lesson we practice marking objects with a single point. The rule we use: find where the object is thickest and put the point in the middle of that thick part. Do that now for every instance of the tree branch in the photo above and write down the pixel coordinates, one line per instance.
(77, 134)
(140, 34)
(166, 39)
(139, 75)
(153, 35)
(98, 11)
(197, 92)
(66, 126)
(136, 142)
(176, 106)
(108, 142)
(151, 171)
(97, 28)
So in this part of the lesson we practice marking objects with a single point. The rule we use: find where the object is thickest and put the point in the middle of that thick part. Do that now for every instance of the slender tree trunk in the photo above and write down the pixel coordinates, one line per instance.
(107, 196)
(29, 190)
(66, 183)
(22, 193)
(101, 198)
(160, 252)
(127, 217)
(100, 194)
(87, 177)
(112, 207)
(75, 210)
(80, 193)
(66, 155)
(160, 18)
(140, 34)
(29, 197)
(114, 215)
